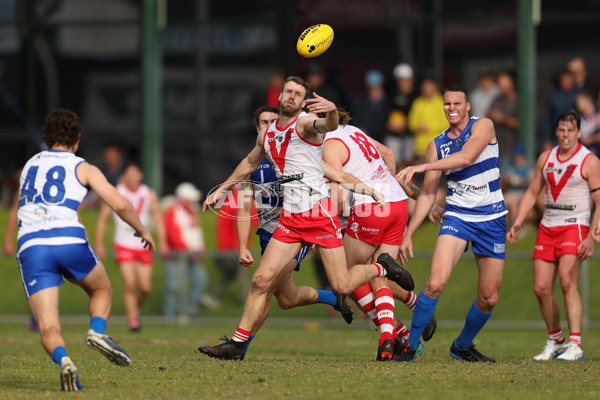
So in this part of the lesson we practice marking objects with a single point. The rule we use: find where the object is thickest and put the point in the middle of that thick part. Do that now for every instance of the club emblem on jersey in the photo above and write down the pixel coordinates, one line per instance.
(458, 142)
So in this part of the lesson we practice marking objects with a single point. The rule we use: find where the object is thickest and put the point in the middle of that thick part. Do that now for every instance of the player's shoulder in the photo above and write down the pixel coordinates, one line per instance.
(482, 122)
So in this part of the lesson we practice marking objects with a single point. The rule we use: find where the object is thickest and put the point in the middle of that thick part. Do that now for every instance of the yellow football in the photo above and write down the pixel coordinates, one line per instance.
(314, 40)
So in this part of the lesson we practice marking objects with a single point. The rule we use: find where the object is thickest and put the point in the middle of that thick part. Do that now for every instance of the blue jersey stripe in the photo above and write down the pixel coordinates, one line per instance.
(69, 203)
(70, 231)
(474, 169)
(481, 210)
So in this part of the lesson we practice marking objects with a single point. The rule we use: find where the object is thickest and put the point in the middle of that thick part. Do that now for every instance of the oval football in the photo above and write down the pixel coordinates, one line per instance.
(314, 40)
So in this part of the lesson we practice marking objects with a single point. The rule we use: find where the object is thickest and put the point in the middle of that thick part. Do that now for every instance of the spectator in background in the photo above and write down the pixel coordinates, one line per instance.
(560, 100)
(371, 111)
(183, 263)
(590, 121)
(274, 87)
(579, 70)
(399, 137)
(504, 113)
(515, 180)
(484, 93)
(427, 117)
(112, 166)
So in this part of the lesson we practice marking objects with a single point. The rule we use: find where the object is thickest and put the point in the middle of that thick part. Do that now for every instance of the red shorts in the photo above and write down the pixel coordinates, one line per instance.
(552, 243)
(319, 226)
(123, 254)
(372, 224)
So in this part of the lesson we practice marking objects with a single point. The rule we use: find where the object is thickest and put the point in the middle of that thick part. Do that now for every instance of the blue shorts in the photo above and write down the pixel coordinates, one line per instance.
(487, 238)
(265, 237)
(44, 266)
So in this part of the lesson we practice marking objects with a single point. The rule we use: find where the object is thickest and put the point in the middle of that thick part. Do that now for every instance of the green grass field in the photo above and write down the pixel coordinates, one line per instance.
(295, 362)
(289, 357)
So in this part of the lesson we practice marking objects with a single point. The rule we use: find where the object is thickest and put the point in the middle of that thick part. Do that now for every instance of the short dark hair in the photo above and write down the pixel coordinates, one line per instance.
(61, 127)
(457, 88)
(570, 116)
(263, 109)
(299, 81)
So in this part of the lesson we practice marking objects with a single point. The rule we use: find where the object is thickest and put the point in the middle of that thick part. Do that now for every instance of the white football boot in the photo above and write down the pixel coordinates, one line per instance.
(572, 353)
(69, 376)
(551, 350)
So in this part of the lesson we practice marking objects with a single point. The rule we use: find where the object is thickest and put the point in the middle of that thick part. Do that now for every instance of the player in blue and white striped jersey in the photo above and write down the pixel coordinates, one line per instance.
(467, 155)
(52, 243)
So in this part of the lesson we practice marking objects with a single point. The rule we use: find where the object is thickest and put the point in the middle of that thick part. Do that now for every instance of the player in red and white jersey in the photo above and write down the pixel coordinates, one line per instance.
(134, 261)
(294, 145)
(372, 230)
(570, 174)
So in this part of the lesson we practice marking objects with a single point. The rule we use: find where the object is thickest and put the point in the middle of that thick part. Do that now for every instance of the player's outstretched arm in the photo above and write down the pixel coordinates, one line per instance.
(91, 176)
(312, 125)
(529, 198)
(244, 168)
(352, 183)
(482, 133)
(243, 223)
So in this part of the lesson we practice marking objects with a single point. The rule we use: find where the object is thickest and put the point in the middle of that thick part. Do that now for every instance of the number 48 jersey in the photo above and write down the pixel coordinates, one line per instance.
(49, 196)
(365, 162)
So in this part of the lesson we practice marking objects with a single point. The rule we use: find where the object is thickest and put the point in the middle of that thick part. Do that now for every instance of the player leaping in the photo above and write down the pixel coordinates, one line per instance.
(294, 144)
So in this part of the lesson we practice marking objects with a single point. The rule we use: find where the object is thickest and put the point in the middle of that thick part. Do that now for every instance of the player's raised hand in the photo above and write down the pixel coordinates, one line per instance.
(319, 104)
(407, 173)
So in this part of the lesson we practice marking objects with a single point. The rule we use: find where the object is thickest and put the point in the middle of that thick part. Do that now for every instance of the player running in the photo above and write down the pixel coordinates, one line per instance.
(467, 154)
(52, 243)
(264, 187)
(570, 174)
(372, 230)
(294, 144)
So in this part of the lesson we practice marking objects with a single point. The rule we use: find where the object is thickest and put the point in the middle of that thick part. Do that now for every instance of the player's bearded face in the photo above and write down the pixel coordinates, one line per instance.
(291, 99)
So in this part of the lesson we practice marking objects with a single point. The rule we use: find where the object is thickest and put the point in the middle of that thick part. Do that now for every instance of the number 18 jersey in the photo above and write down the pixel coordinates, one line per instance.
(49, 196)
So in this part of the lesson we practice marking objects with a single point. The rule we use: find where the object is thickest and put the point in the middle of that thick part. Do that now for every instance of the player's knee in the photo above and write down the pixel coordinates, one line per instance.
(542, 291)
(260, 283)
(568, 285)
(487, 303)
(434, 289)
(49, 330)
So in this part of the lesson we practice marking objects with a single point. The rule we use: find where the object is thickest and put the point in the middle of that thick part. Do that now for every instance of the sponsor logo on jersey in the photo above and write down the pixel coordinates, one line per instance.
(338, 233)
(570, 220)
(354, 226)
(499, 247)
(40, 211)
(568, 244)
(539, 247)
(283, 228)
(326, 236)
(449, 228)
(290, 178)
(367, 229)
(498, 206)
(32, 283)
(565, 207)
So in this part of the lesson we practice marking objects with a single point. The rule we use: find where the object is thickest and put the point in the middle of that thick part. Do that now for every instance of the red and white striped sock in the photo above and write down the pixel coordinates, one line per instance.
(411, 300)
(380, 270)
(241, 335)
(575, 337)
(557, 336)
(366, 301)
(402, 331)
(384, 304)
